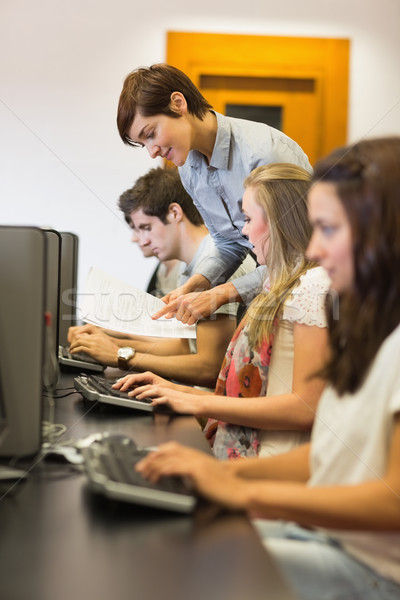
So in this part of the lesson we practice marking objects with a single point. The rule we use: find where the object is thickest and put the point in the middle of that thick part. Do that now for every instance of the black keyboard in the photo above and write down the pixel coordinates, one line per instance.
(104, 386)
(97, 388)
(110, 465)
(81, 356)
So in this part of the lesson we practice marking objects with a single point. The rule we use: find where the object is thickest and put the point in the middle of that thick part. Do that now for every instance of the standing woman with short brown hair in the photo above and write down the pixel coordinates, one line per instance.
(162, 110)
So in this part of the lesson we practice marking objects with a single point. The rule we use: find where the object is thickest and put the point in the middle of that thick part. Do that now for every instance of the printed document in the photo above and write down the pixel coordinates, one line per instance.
(114, 304)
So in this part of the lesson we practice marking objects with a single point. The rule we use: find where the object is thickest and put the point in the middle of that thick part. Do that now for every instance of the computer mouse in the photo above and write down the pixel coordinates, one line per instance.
(63, 454)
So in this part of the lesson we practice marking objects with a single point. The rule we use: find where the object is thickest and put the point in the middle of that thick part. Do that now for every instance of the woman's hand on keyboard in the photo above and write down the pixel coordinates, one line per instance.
(176, 399)
(139, 380)
(213, 479)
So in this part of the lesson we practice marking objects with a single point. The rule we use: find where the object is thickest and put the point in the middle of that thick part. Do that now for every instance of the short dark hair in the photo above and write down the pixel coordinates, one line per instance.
(154, 192)
(148, 90)
(366, 177)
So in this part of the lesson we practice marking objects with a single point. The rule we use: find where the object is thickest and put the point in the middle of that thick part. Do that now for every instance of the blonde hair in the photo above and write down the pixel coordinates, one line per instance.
(281, 191)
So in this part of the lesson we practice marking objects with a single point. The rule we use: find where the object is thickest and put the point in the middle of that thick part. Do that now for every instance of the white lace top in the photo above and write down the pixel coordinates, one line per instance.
(304, 306)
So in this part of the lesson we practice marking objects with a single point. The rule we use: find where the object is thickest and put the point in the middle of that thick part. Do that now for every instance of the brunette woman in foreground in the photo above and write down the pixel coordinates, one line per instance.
(337, 498)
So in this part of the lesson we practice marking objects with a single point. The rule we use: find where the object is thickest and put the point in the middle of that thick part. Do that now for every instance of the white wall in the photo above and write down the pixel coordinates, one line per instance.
(63, 63)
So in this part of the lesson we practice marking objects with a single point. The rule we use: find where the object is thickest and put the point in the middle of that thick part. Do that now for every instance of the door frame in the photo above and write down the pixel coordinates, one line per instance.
(323, 60)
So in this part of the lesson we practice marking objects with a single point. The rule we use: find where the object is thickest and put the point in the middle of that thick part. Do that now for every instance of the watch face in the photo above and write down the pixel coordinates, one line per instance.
(126, 353)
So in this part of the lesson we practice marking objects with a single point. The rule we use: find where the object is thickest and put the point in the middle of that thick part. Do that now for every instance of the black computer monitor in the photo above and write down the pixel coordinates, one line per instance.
(7, 473)
(68, 285)
(53, 276)
(22, 334)
(3, 418)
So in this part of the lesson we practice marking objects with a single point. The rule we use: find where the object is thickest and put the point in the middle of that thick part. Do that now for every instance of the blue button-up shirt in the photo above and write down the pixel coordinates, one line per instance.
(217, 190)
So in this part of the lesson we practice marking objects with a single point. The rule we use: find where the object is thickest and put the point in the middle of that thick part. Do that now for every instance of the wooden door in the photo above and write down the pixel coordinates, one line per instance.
(304, 79)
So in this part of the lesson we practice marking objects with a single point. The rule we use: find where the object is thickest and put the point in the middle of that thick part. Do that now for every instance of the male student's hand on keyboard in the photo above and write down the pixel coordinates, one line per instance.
(74, 332)
(98, 345)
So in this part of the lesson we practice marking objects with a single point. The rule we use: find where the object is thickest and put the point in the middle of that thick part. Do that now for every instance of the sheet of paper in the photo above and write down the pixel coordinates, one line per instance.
(114, 304)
